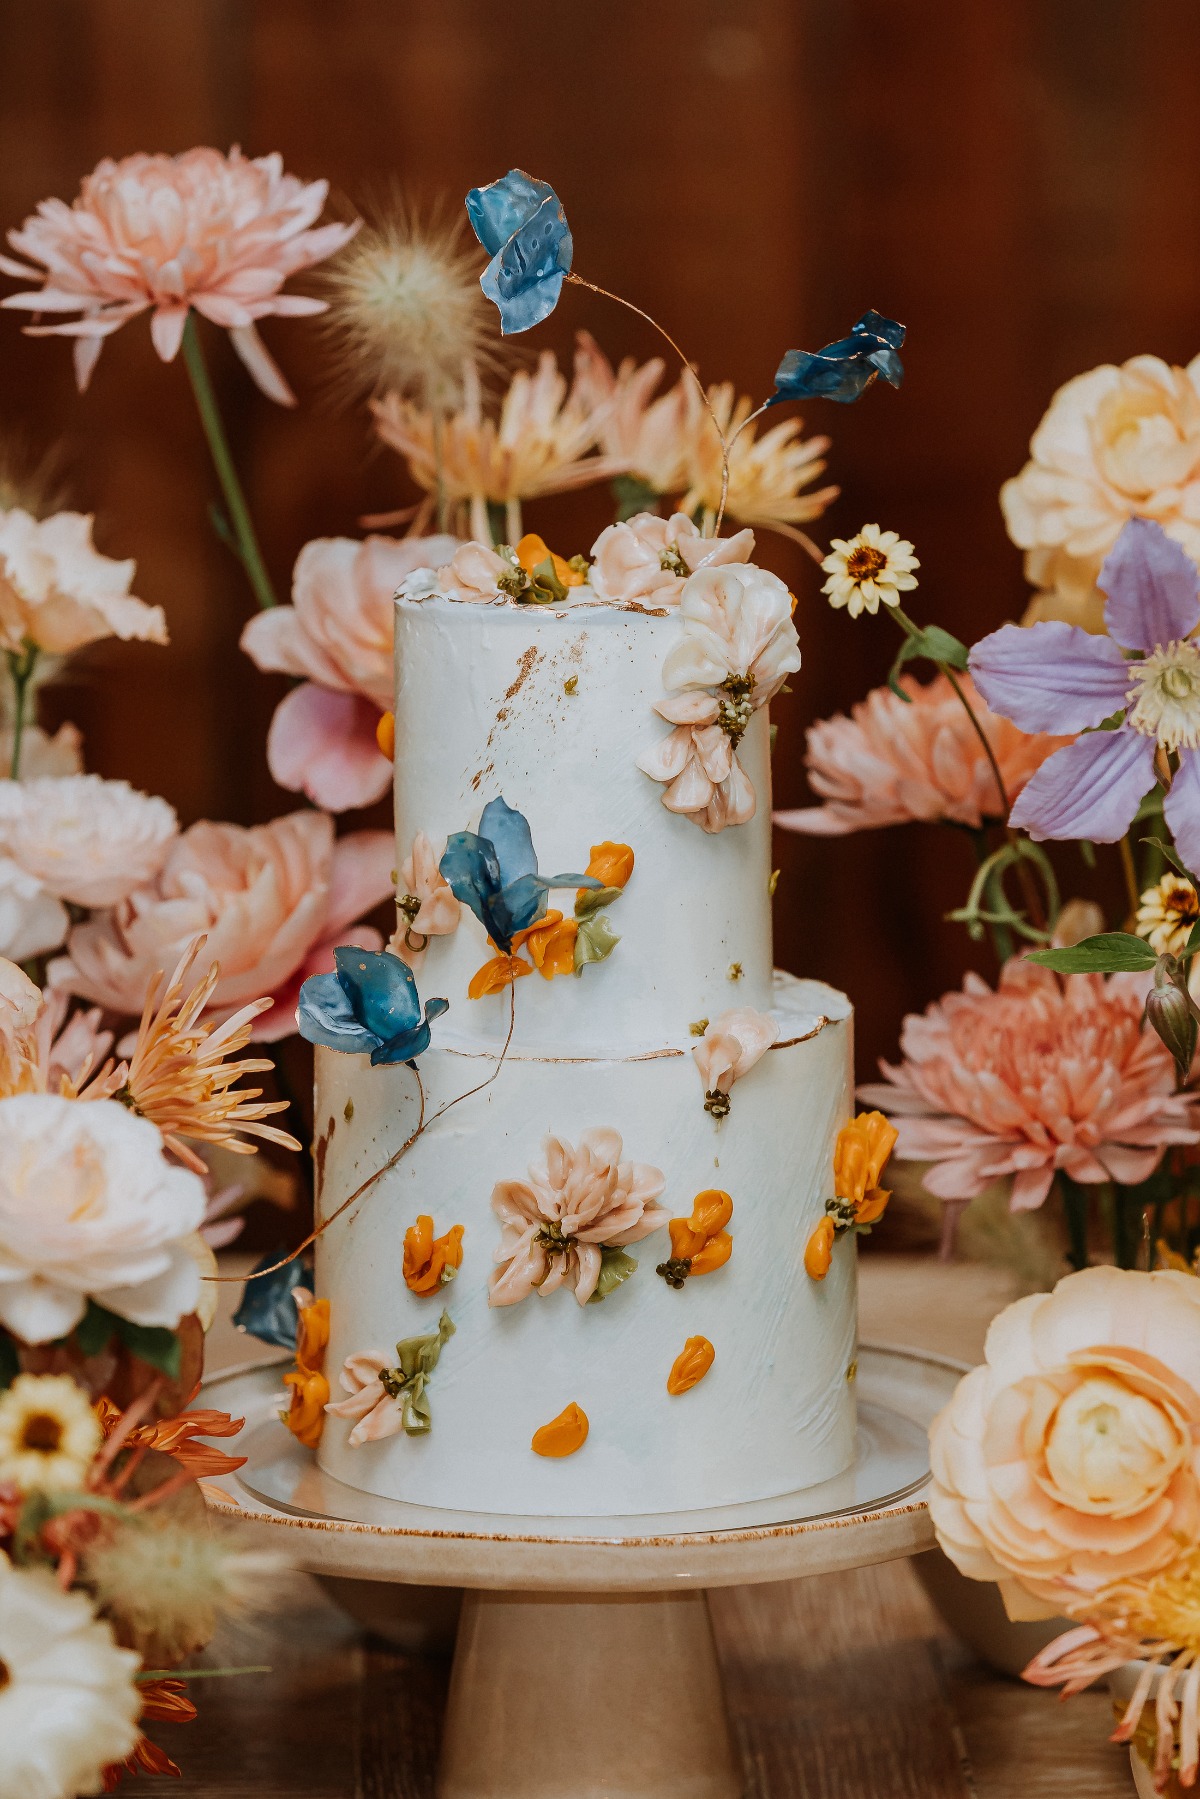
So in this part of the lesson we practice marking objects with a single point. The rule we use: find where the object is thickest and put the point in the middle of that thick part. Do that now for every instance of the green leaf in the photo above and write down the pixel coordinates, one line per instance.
(615, 1267)
(160, 1348)
(1167, 851)
(1193, 942)
(594, 940)
(935, 645)
(10, 1361)
(1112, 952)
(633, 495)
(95, 1330)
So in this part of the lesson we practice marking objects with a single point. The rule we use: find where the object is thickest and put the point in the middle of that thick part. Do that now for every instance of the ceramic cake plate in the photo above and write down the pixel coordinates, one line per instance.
(607, 1615)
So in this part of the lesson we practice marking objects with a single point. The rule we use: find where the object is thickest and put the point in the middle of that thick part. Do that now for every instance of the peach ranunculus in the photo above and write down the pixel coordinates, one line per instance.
(737, 646)
(647, 559)
(891, 762)
(1070, 1458)
(425, 902)
(1045, 1073)
(58, 592)
(168, 233)
(1115, 444)
(337, 637)
(273, 901)
(576, 1203)
(729, 1048)
(84, 839)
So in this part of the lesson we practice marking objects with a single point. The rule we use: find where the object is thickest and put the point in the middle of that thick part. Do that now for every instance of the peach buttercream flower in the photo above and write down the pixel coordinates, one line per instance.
(337, 637)
(165, 234)
(647, 559)
(890, 762)
(737, 646)
(273, 901)
(374, 1410)
(729, 1048)
(425, 902)
(84, 839)
(1071, 1458)
(576, 1201)
(1045, 1073)
(58, 592)
(473, 574)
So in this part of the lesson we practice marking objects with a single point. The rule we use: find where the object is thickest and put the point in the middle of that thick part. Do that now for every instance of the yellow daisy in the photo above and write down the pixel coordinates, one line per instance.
(876, 565)
(1167, 913)
(49, 1434)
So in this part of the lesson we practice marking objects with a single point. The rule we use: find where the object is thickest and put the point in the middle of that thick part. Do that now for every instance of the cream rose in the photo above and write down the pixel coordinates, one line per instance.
(58, 592)
(1071, 1458)
(84, 839)
(91, 1208)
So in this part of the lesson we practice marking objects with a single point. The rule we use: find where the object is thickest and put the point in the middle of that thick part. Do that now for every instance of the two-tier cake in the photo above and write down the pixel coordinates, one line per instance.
(578, 1287)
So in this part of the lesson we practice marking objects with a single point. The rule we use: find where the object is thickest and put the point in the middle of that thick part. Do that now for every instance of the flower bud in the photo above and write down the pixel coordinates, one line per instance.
(1171, 1015)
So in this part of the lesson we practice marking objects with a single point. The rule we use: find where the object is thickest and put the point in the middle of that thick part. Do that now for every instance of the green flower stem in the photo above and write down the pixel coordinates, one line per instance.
(1131, 881)
(1002, 938)
(1075, 1209)
(20, 667)
(245, 540)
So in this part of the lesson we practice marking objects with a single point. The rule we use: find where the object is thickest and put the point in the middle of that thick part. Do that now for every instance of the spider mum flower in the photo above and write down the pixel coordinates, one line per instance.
(166, 234)
(892, 762)
(876, 565)
(1045, 1073)
(1167, 914)
(69, 1704)
(49, 1434)
(405, 309)
(768, 474)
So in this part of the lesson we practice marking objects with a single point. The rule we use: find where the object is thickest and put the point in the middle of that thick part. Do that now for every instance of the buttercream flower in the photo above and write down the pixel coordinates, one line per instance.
(90, 1208)
(1168, 913)
(58, 592)
(892, 762)
(337, 637)
(520, 222)
(1057, 677)
(576, 1202)
(69, 1703)
(1045, 1073)
(32, 921)
(647, 559)
(165, 234)
(1071, 1458)
(369, 1005)
(84, 839)
(859, 1158)
(474, 573)
(845, 369)
(495, 872)
(387, 1394)
(49, 1434)
(305, 1416)
(429, 1261)
(876, 565)
(729, 1048)
(768, 475)
(272, 900)
(1115, 444)
(700, 1243)
(425, 903)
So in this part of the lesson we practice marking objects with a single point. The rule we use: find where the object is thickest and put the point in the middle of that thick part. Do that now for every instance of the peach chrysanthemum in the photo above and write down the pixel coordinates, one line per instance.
(1041, 1075)
(181, 1074)
(647, 436)
(892, 762)
(220, 234)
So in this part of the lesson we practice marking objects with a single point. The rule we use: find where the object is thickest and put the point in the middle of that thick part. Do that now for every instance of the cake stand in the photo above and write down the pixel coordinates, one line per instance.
(585, 1666)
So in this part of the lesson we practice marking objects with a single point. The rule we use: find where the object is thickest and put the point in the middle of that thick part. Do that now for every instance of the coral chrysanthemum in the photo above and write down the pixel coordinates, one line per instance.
(1045, 1073)
(891, 762)
(220, 234)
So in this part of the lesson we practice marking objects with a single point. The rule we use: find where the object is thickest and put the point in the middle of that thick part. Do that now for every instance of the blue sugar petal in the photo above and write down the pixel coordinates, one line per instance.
(382, 990)
(874, 324)
(843, 370)
(469, 865)
(507, 830)
(499, 210)
(267, 1310)
(326, 1016)
(521, 224)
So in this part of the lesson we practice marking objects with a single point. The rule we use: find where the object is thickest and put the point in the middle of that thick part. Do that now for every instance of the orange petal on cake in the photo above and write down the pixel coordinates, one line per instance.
(819, 1252)
(427, 1258)
(496, 975)
(716, 1252)
(563, 1435)
(611, 864)
(690, 1365)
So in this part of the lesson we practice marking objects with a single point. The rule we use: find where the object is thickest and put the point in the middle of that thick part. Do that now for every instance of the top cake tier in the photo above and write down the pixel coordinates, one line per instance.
(549, 708)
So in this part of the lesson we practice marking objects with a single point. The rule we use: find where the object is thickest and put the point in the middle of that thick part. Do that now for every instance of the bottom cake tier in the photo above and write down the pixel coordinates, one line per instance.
(774, 1413)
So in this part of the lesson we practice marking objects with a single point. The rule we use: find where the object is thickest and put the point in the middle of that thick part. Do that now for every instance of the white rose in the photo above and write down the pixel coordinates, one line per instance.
(85, 839)
(32, 921)
(91, 1208)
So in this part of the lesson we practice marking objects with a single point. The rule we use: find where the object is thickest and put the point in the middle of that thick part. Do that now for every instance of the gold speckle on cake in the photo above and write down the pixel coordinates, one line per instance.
(735, 971)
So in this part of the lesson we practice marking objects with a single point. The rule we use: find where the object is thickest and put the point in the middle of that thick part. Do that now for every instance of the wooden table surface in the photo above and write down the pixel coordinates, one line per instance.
(842, 1687)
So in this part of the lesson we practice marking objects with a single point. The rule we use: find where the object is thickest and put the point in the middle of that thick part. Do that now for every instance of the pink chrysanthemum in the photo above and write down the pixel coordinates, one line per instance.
(892, 762)
(1041, 1075)
(169, 233)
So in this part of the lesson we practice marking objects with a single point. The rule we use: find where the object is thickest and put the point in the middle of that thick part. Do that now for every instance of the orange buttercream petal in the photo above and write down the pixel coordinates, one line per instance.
(610, 863)
(714, 1255)
(563, 1435)
(690, 1365)
(533, 550)
(385, 735)
(711, 1212)
(305, 1417)
(819, 1252)
(496, 975)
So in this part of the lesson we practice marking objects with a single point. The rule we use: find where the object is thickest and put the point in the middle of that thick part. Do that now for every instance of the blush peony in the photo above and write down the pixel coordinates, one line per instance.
(1045, 1073)
(84, 839)
(892, 762)
(91, 1208)
(1071, 1458)
(273, 901)
(58, 592)
(164, 234)
(336, 636)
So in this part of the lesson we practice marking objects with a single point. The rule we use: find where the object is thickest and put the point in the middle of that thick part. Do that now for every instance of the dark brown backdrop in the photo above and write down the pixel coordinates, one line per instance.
(1019, 181)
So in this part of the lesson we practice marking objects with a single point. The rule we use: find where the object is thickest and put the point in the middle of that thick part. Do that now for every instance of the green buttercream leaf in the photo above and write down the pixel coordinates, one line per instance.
(418, 1357)
(594, 940)
(546, 582)
(615, 1267)
(592, 898)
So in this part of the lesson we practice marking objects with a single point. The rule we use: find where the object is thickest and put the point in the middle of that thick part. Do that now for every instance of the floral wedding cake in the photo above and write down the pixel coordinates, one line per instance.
(573, 1279)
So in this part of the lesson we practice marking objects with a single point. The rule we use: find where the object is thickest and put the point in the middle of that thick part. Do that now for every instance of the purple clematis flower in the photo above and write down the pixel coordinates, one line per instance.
(1055, 677)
